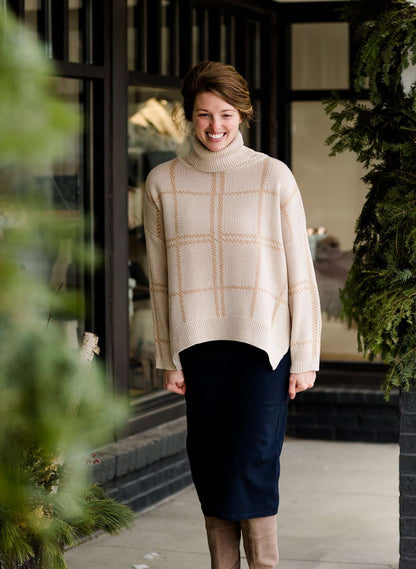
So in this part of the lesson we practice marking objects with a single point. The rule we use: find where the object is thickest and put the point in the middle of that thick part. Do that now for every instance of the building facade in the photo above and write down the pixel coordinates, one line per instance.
(120, 63)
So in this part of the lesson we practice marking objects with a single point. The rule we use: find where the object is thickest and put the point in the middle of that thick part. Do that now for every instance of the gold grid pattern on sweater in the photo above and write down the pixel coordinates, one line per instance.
(217, 238)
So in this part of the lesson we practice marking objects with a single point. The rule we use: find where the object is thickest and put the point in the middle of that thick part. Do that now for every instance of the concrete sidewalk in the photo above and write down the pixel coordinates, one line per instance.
(339, 509)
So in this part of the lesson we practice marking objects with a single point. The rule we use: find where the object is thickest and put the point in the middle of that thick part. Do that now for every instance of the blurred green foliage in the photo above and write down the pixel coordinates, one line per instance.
(34, 125)
(54, 408)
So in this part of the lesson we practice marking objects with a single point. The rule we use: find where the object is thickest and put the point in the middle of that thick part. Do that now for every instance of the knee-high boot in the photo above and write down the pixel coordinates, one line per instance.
(224, 543)
(260, 542)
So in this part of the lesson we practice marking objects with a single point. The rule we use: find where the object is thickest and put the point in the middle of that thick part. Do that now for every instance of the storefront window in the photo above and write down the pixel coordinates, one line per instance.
(75, 37)
(32, 14)
(153, 138)
(333, 195)
(73, 33)
(320, 56)
(153, 36)
(136, 34)
(63, 186)
(195, 38)
(166, 33)
(38, 19)
(254, 50)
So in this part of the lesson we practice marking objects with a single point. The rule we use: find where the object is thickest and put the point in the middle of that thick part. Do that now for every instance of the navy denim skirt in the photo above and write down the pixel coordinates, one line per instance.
(236, 416)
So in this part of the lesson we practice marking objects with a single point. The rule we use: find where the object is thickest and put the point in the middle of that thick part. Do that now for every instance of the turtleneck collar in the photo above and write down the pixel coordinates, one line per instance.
(232, 156)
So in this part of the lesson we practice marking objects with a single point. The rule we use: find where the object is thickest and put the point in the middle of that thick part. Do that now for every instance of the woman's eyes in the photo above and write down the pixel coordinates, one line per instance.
(206, 115)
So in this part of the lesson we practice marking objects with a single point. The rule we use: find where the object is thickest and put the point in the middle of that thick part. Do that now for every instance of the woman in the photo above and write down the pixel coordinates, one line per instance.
(235, 310)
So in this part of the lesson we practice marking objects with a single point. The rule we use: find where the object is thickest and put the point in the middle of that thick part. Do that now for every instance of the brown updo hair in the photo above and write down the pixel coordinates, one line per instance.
(222, 80)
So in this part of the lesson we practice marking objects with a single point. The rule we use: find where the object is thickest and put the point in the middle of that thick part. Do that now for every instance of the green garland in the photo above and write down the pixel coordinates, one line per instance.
(380, 292)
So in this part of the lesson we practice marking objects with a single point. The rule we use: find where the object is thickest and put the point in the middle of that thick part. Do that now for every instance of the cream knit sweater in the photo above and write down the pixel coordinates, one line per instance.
(229, 257)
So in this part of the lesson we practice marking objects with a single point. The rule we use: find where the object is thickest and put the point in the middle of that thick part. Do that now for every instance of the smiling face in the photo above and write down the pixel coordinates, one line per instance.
(215, 121)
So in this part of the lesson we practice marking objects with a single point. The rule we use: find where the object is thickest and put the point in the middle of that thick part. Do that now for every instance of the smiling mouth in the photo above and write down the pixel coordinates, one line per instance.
(215, 136)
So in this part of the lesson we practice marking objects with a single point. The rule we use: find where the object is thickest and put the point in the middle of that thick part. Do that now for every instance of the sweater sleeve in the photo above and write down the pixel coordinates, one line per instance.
(303, 291)
(158, 277)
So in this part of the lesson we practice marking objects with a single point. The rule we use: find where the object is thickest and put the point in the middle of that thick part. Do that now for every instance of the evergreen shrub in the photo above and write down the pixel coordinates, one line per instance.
(378, 124)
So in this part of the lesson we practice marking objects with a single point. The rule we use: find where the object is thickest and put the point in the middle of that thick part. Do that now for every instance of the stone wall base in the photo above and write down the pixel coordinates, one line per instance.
(142, 469)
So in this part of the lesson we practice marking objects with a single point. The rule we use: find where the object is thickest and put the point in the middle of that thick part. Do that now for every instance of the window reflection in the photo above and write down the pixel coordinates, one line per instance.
(195, 38)
(32, 14)
(75, 38)
(153, 42)
(153, 138)
(61, 186)
(131, 34)
(38, 17)
(333, 195)
(320, 56)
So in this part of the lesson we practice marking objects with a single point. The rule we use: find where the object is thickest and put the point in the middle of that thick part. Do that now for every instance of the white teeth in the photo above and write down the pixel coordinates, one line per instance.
(215, 135)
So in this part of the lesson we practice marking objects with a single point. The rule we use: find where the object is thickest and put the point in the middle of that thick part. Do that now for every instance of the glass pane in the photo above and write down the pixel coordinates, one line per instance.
(32, 14)
(254, 45)
(75, 31)
(333, 195)
(153, 138)
(195, 37)
(136, 35)
(63, 185)
(320, 56)
(131, 35)
(223, 39)
(165, 38)
(138, 28)
(38, 19)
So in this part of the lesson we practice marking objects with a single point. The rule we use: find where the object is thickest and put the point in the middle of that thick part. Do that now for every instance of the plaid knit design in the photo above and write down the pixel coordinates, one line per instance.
(229, 257)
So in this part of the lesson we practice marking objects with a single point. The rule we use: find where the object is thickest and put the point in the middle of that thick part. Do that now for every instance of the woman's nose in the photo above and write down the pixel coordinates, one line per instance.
(215, 123)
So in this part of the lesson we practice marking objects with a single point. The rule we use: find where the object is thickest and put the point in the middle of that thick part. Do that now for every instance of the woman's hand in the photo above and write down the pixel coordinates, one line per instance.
(174, 381)
(301, 382)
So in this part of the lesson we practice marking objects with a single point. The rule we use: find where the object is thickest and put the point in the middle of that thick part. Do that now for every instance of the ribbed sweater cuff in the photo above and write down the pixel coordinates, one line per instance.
(167, 363)
(302, 367)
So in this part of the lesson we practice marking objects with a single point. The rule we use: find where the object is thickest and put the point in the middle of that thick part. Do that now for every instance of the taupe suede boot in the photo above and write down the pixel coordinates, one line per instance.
(260, 542)
(224, 543)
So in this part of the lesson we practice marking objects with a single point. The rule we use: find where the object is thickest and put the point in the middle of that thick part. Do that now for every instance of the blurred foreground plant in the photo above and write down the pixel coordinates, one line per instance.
(54, 408)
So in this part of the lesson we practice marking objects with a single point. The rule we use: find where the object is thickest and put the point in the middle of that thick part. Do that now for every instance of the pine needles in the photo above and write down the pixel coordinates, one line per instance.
(380, 292)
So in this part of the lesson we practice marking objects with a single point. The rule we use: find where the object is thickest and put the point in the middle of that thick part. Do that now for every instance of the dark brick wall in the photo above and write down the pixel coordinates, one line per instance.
(345, 414)
(142, 469)
(408, 480)
(147, 486)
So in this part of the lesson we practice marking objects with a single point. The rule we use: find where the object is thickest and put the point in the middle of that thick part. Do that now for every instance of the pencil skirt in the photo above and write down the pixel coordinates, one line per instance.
(236, 407)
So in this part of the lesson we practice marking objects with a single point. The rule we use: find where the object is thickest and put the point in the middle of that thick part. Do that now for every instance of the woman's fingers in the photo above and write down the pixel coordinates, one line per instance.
(300, 382)
(174, 381)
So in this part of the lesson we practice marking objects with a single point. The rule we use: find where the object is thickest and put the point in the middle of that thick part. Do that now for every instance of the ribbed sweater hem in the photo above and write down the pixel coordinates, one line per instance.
(236, 329)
